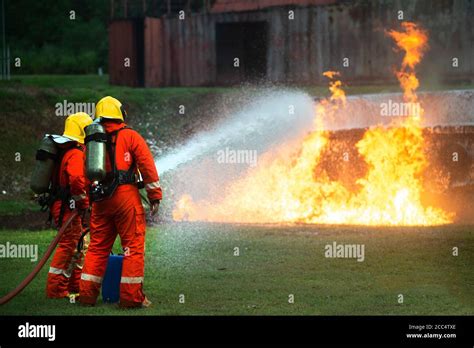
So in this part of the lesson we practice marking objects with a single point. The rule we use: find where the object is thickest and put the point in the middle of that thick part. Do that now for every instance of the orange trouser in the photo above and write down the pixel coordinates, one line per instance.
(64, 272)
(122, 214)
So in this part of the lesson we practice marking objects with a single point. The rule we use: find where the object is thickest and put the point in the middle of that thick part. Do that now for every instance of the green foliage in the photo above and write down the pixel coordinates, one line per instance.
(42, 34)
(55, 60)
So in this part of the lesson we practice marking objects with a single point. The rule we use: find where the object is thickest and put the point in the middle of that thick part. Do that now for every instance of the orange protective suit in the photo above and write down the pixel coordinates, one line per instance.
(121, 214)
(64, 272)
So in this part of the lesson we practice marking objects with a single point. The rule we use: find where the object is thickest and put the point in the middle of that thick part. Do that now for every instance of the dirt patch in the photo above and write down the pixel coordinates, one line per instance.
(36, 221)
(32, 220)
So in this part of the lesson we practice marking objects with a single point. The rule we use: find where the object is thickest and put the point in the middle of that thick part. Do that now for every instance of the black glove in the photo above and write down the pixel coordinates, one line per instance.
(154, 206)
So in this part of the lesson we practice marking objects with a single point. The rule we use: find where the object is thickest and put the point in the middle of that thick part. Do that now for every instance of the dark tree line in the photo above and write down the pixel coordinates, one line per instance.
(49, 38)
(45, 36)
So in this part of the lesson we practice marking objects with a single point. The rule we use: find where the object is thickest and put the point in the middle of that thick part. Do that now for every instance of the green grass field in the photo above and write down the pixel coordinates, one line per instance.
(197, 260)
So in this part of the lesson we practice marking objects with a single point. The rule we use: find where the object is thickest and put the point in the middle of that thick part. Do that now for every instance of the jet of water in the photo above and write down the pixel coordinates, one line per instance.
(271, 117)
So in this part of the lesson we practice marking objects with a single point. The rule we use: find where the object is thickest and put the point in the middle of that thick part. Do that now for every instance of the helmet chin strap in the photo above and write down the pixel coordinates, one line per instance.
(124, 113)
(111, 120)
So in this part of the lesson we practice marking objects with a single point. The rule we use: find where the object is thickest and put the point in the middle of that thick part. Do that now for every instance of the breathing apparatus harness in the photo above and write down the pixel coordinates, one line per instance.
(55, 191)
(105, 189)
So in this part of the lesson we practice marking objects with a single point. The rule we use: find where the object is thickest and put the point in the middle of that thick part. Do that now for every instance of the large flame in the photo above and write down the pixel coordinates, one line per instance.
(414, 42)
(295, 187)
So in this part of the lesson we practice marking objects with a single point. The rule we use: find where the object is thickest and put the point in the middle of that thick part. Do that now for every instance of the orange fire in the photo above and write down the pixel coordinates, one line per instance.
(414, 42)
(294, 188)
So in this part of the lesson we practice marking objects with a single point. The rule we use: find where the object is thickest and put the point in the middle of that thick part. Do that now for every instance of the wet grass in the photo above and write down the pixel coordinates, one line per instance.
(197, 260)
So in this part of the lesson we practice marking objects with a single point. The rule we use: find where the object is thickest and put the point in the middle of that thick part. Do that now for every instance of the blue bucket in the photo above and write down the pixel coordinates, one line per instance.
(111, 282)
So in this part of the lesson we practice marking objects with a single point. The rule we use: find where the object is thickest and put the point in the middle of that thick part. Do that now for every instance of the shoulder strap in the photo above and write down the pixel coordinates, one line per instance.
(111, 149)
(58, 192)
(59, 160)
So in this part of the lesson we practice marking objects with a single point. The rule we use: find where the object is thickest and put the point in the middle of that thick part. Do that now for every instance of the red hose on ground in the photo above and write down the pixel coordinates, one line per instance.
(40, 264)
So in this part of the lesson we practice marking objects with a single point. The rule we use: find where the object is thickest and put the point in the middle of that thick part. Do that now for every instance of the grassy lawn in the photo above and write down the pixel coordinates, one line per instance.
(197, 260)
(17, 207)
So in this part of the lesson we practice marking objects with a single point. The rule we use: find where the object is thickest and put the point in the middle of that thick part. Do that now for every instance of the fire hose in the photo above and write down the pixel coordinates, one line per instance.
(40, 264)
(46, 256)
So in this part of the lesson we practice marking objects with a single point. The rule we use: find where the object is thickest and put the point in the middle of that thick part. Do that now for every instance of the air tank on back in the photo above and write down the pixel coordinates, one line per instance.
(96, 139)
(44, 166)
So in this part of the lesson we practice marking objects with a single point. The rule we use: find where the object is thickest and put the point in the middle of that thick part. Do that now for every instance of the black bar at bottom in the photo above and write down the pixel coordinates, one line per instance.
(424, 330)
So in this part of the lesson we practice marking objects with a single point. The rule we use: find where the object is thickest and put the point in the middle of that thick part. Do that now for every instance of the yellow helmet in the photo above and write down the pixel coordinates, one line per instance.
(109, 107)
(74, 127)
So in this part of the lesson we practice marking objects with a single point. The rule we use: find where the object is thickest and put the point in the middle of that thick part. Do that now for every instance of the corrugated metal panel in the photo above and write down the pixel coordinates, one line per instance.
(190, 53)
(254, 5)
(166, 53)
(122, 45)
(300, 50)
(154, 49)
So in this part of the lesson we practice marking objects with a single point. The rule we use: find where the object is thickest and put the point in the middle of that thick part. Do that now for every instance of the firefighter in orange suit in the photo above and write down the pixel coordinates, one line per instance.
(69, 192)
(118, 209)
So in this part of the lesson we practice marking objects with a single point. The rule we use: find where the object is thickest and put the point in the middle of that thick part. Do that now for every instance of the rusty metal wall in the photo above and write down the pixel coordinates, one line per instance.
(190, 47)
(153, 57)
(255, 5)
(189, 51)
(122, 45)
(318, 39)
(321, 37)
